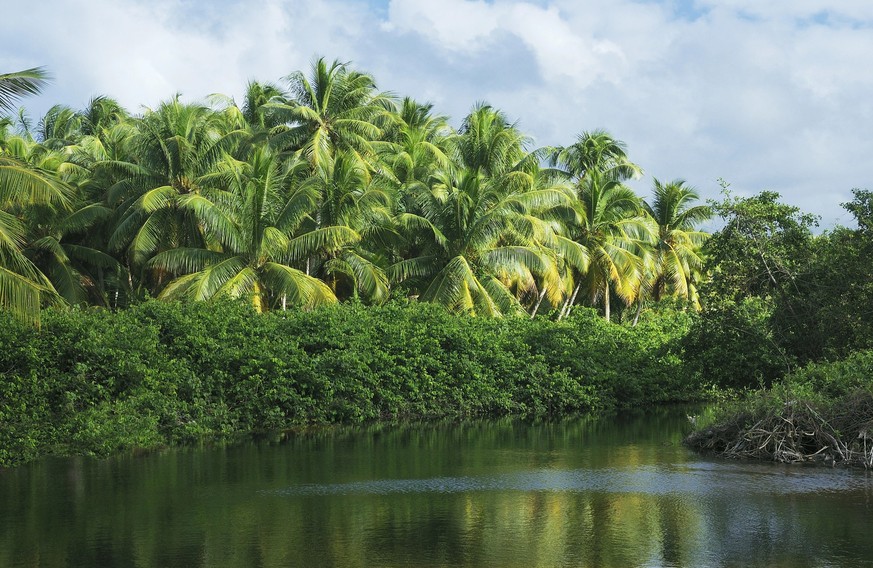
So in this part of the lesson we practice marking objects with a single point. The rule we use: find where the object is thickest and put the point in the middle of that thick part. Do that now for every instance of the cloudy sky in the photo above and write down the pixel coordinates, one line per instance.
(771, 94)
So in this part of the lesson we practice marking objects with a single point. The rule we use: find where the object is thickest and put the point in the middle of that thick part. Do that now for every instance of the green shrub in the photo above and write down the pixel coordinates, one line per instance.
(97, 382)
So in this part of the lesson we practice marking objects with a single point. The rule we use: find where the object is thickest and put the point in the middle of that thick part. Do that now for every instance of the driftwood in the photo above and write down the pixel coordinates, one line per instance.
(842, 435)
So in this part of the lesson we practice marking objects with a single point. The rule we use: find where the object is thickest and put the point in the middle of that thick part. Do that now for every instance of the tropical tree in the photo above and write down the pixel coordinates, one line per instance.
(350, 195)
(256, 109)
(174, 153)
(415, 145)
(473, 240)
(595, 151)
(606, 219)
(609, 223)
(253, 226)
(23, 287)
(15, 85)
(335, 108)
(677, 256)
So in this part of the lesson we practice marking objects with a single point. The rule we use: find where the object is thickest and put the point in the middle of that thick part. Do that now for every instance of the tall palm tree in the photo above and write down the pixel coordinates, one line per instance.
(472, 239)
(23, 287)
(256, 109)
(414, 146)
(609, 223)
(677, 252)
(175, 150)
(606, 219)
(595, 151)
(350, 195)
(335, 108)
(254, 225)
(26, 189)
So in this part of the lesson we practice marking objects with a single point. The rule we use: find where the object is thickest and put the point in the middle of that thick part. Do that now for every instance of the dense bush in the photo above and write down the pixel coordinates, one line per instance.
(731, 345)
(822, 412)
(94, 381)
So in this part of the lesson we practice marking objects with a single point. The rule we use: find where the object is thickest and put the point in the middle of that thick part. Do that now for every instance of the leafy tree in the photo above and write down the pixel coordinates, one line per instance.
(754, 263)
(253, 226)
(677, 252)
(476, 239)
(833, 292)
(606, 219)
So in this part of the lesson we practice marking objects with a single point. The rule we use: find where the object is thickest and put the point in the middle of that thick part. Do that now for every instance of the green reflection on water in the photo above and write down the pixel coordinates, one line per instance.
(619, 491)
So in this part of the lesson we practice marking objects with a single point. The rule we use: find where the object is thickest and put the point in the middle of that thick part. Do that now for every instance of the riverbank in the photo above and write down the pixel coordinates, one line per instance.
(822, 414)
(97, 382)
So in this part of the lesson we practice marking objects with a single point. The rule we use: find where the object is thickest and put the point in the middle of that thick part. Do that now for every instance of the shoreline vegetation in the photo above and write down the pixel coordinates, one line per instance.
(822, 414)
(325, 252)
(97, 382)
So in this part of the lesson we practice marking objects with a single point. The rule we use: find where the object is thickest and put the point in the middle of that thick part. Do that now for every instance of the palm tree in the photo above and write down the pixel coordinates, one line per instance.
(677, 252)
(595, 151)
(13, 86)
(606, 219)
(23, 287)
(101, 114)
(608, 222)
(256, 109)
(336, 108)
(174, 151)
(472, 238)
(253, 226)
(25, 190)
(414, 147)
(350, 195)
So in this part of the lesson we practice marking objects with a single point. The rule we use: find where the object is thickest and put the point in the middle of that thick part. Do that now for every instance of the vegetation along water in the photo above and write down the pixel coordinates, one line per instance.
(325, 252)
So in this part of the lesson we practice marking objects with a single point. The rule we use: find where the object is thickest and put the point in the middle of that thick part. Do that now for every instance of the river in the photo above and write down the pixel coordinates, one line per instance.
(619, 491)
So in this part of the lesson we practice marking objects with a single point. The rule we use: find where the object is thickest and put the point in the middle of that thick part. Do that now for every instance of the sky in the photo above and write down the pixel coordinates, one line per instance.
(765, 95)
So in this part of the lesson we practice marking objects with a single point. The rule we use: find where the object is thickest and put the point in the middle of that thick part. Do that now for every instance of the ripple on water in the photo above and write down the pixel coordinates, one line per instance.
(696, 478)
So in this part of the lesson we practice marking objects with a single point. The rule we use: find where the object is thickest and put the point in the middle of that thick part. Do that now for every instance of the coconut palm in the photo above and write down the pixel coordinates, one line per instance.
(23, 288)
(23, 189)
(254, 227)
(414, 146)
(606, 219)
(595, 151)
(256, 109)
(174, 151)
(473, 241)
(608, 222)
(350, 195)
(58, 244)
(15, 85)
(335, 108)
(677, 252)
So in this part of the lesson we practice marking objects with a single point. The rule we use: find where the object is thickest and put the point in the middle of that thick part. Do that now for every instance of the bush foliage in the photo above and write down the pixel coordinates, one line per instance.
(95, 382)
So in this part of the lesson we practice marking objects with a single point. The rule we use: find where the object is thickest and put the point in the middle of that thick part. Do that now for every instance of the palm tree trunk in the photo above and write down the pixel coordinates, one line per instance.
(606, 313)
(539, 301)
(639, 311)
(569, 303)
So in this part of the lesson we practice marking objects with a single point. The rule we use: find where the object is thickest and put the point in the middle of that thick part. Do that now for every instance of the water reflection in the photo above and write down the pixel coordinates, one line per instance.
(577, 492)
(691, 479)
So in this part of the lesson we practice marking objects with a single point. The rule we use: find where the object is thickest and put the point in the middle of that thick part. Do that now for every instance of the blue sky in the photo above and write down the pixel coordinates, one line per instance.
(767, 95)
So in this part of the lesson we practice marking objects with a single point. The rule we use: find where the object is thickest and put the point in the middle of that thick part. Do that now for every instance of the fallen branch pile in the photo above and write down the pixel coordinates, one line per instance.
(841, 434)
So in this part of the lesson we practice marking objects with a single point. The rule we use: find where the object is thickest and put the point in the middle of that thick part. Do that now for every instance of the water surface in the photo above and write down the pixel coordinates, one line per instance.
(618, 491)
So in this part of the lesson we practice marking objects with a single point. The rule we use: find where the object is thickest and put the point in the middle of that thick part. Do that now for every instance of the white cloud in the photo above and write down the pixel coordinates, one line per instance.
(767, 95)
